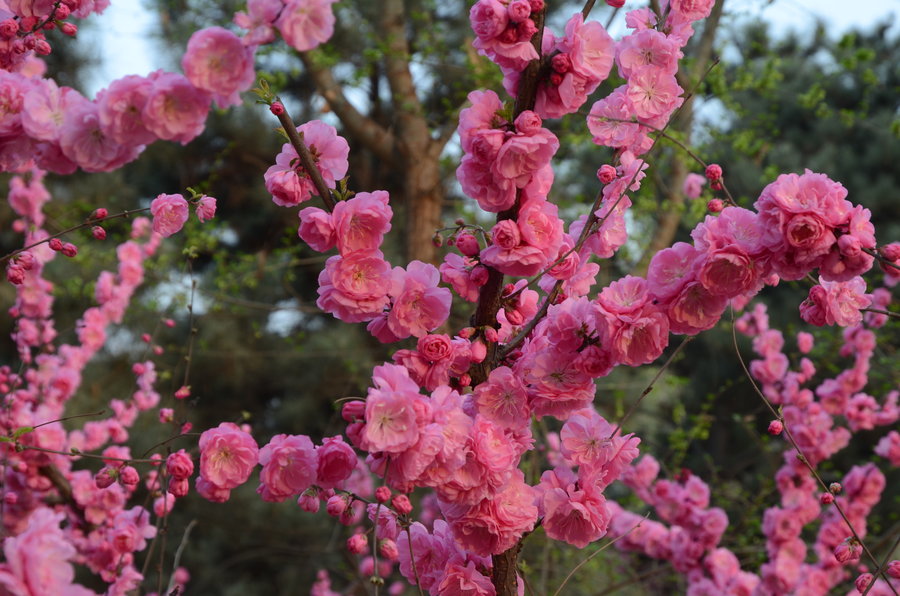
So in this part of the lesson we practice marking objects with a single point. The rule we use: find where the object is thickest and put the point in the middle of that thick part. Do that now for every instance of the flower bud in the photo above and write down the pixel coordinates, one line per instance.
(357, 544)
(69, 249)
(402, 505)
(336, 505)
(99, 213)
(893, 569)
(775, 427)
(388, 550)
(98, 233)
(606, 173)
(862, 582)
(105, 477)
(128, 476)
(835, 488)
(383, 494)
(713, 172)
(826, 498)
(55, 244)
(715, 205)
(467, 244)
(277, 108)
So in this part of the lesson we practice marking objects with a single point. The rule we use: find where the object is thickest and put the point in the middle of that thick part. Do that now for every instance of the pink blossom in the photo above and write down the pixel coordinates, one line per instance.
(289, 467)
(419, 305)
(227, 456)
(693, 185)
(648, 48)
(836, 303)
(82, 140)
(652, 92)
(464, 580)
(361, 222)
(316, 229)
(337, 460)
(889, 448)
(218, 62)
(355, 288)
(572, 515)
(179, 465)
(37, 560)
(288, 182)
(502, 399)
(170, 213)
(205, 208)
(175, 110)
(304, 24)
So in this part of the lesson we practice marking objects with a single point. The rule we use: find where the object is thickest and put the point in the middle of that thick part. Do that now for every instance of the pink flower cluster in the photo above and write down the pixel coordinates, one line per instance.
(808, 224)
(304, 24)
(581, 59)
(503, 30)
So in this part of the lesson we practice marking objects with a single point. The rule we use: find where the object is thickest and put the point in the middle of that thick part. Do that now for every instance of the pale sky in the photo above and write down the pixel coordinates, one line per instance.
(130, 50)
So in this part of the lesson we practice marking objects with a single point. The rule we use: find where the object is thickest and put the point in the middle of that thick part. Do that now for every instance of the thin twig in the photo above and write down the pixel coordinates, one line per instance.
(649, 387)
(177, 560)
(597, 552)
(306, 159)
(84, 224)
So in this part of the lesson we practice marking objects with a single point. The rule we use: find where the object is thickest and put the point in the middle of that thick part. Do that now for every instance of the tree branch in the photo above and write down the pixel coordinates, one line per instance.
(367, 131)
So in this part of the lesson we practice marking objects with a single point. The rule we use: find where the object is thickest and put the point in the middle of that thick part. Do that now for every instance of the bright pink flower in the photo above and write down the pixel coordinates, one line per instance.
(37, 559)
(289, 467)
(502, 399)
(218, 62)
(836, 303)
(391, 423)
(691, 10)
(304, 24)
(316, 229)
(206, 208)
(179, 465)
(572, 515)
(355, 288)
(175, 110)
(337, 460)
(361, 222)
(419, 305)
(170, 213)
(288, 182)
(227, 456)
(464, 580)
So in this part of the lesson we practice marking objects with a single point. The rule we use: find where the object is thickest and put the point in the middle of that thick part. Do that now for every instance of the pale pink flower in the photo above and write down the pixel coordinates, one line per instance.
(304, 24)
(693, 185)
(218, 62)
(652, 92)
(206, 208)
(419, 305)
(121, 108)
(82, 140)
(170, 213)
(175, 109)
(227, 456)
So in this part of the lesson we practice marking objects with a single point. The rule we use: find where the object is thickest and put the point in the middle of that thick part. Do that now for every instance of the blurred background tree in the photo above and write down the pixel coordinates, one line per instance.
(393, 80)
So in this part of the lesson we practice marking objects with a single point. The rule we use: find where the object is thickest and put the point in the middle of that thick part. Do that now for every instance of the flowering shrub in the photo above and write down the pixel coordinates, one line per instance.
(456, 415)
